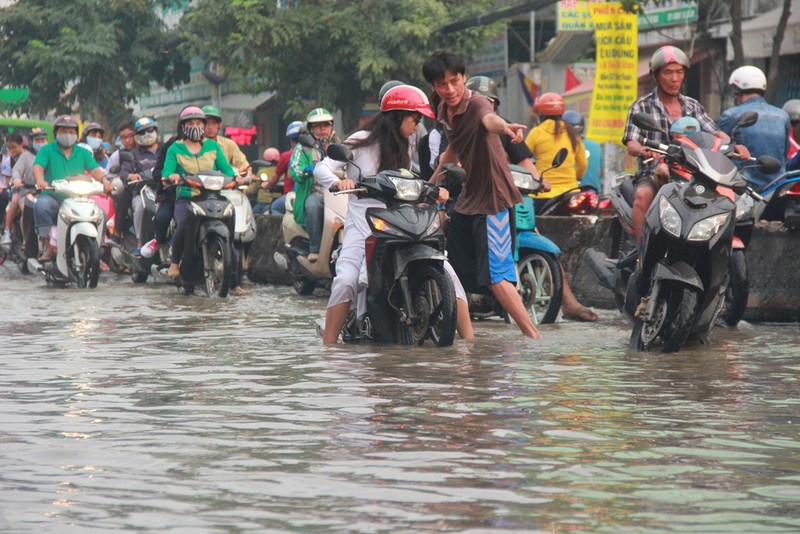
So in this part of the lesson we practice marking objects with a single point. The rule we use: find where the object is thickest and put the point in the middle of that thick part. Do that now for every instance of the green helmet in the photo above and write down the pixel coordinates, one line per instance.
(318, 115)
(212, 112)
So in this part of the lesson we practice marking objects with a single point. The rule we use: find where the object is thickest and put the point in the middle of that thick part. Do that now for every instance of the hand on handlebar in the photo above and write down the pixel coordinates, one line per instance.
(345, 184)
(742, 152)
(174, 178)
(133, 177)
(444, 195)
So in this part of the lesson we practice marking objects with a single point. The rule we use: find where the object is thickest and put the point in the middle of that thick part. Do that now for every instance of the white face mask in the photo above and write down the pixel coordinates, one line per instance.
(67, 139)
(37, 146)
(94, 142)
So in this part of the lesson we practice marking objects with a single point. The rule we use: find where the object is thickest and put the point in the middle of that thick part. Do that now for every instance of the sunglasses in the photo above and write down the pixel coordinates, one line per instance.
(148, 130)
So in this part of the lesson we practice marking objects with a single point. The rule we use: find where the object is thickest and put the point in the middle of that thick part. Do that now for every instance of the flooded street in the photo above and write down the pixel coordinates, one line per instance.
(133, 408)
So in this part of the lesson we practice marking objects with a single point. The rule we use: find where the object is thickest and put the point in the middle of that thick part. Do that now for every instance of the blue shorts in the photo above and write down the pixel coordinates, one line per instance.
(481, 248)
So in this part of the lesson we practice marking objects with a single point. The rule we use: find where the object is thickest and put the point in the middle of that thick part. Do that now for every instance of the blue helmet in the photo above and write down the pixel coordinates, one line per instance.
(293, 130)
(575, 119)
(144, 123)
(685, 125)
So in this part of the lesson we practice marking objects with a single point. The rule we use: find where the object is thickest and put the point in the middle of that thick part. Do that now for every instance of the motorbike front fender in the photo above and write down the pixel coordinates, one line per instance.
(213, 227)
(678, 272)
(82, 228)
(536, 242)
(404, 256)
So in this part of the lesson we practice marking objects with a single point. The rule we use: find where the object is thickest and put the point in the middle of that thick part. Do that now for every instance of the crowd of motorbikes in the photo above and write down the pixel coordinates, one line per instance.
(687, 275)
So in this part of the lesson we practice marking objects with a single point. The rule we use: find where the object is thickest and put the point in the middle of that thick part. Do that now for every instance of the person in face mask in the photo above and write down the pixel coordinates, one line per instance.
(21, 160)
(56, 161)
(93, 136)
(38, 139)
(191, 153)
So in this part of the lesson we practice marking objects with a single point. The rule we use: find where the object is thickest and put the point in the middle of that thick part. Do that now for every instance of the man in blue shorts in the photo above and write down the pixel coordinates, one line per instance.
(480, 235)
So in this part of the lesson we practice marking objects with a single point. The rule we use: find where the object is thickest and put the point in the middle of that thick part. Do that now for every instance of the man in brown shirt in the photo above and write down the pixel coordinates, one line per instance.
(479, 242)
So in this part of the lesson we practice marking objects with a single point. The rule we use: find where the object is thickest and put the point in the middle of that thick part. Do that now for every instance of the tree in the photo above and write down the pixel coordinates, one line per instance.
(93, 54)
(334, 52)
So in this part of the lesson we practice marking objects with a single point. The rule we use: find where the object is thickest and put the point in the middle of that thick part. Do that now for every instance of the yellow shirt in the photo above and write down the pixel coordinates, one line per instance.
(542, 142)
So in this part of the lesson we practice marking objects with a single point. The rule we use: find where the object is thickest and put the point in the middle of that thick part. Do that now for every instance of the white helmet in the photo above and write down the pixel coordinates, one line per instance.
(748, 79)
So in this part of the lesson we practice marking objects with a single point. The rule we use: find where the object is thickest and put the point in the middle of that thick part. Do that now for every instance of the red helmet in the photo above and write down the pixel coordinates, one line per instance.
(192, 112)
(271, 154)
(406, 98)
(550, 105)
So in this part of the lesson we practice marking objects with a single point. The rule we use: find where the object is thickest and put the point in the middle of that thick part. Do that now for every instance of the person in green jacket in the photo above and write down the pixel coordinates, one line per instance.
(309, 205)
(191, 153)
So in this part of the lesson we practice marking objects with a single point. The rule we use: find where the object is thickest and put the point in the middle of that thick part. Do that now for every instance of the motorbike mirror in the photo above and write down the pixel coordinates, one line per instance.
(748, 118)
(646, 122)
(124, 155)
(261, 163)
(561, 155)
(306, 140)
(455, 174)
(115, 169)
(768, 164)
(339, 152)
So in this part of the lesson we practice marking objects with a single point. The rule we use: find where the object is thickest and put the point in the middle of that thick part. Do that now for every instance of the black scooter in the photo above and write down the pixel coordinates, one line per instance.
(410, 296)
(24, 242)
(208, 257)
(139, 267)
(679, 284)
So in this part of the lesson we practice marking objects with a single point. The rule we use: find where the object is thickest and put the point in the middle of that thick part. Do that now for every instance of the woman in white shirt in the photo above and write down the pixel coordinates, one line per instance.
(381, 145)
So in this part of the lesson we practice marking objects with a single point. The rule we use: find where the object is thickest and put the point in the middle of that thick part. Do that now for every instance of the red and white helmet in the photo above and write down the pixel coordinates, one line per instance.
(748, 78)
(665, 55)
(550, 105)
(406, 98)
(271, 154)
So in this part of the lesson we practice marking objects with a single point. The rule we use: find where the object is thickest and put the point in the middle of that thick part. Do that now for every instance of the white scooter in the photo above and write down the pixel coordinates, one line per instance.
(78, 235)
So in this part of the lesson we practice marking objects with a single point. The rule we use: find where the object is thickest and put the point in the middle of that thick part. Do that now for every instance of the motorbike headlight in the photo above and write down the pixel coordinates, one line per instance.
(407, 189)
(433, 227)
(197, 210)
(228, 210)
(668, 215)
(380, 225)
(744, 207)
(705, 229)
(212, 182)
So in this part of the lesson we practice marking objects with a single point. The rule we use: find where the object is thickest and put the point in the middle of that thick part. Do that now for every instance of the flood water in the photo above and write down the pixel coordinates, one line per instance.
(133, 408)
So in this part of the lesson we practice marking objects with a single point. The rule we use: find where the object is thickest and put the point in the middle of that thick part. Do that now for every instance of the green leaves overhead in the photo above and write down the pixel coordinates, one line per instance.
(335, 52)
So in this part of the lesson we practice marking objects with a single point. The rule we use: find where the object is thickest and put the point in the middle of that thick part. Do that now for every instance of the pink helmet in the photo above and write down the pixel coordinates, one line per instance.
(271, 154)
(192, 112)
(406, 98)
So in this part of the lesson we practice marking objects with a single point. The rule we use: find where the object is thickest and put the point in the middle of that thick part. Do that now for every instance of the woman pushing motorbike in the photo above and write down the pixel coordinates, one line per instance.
(381, 145)
(190, 153)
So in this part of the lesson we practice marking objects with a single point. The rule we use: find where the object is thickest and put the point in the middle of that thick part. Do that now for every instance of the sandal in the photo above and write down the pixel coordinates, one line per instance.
(583, 315)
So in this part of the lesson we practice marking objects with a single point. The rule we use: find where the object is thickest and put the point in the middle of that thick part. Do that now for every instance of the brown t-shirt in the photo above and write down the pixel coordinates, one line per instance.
(488, 188)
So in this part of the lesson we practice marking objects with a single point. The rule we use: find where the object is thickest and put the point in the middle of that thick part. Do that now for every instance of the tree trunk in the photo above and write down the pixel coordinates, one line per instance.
(772, 76)
(736, 32)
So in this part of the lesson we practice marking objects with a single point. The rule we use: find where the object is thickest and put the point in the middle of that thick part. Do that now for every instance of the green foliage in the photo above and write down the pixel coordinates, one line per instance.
(335, 52)
(100, 54)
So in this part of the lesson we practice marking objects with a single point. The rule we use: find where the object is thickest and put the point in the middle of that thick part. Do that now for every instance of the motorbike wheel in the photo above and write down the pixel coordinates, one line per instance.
(540, 285)
(434, 301)
(301, 284)
(219, 269)
(3, 255)
(674, 316)
(84, 262)
(737, 292)
(139, 277)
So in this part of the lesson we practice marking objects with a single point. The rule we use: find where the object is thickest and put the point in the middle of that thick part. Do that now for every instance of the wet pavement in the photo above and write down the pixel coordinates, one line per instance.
(133, 408)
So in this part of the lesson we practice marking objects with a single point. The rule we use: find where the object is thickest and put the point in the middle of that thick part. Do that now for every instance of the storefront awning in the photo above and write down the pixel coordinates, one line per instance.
(245, 101)
(758, 35)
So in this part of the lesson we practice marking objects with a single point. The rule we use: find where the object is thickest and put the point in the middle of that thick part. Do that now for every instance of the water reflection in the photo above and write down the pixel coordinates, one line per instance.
(134, 408)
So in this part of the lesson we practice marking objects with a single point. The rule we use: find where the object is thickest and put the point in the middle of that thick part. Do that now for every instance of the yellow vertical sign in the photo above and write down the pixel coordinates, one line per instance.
(615, 82)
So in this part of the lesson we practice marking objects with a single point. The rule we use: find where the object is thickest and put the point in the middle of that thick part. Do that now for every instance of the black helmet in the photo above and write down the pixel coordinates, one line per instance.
(388, 85)
(575, 119)
(485, 86)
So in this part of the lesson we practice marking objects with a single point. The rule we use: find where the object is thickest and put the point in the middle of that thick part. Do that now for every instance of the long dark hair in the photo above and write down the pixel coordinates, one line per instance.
(384, 130)
(574, 135)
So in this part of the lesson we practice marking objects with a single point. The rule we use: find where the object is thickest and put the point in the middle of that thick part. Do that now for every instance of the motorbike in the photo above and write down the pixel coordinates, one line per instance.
(79, 233)
(614, 271)
(139, 267)
(782, 198)
(24, 242)
(581, 200)
(539, 276)
(306, 276)
(244, 227)
(208, 242)
(409, 295)
(678, 286)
